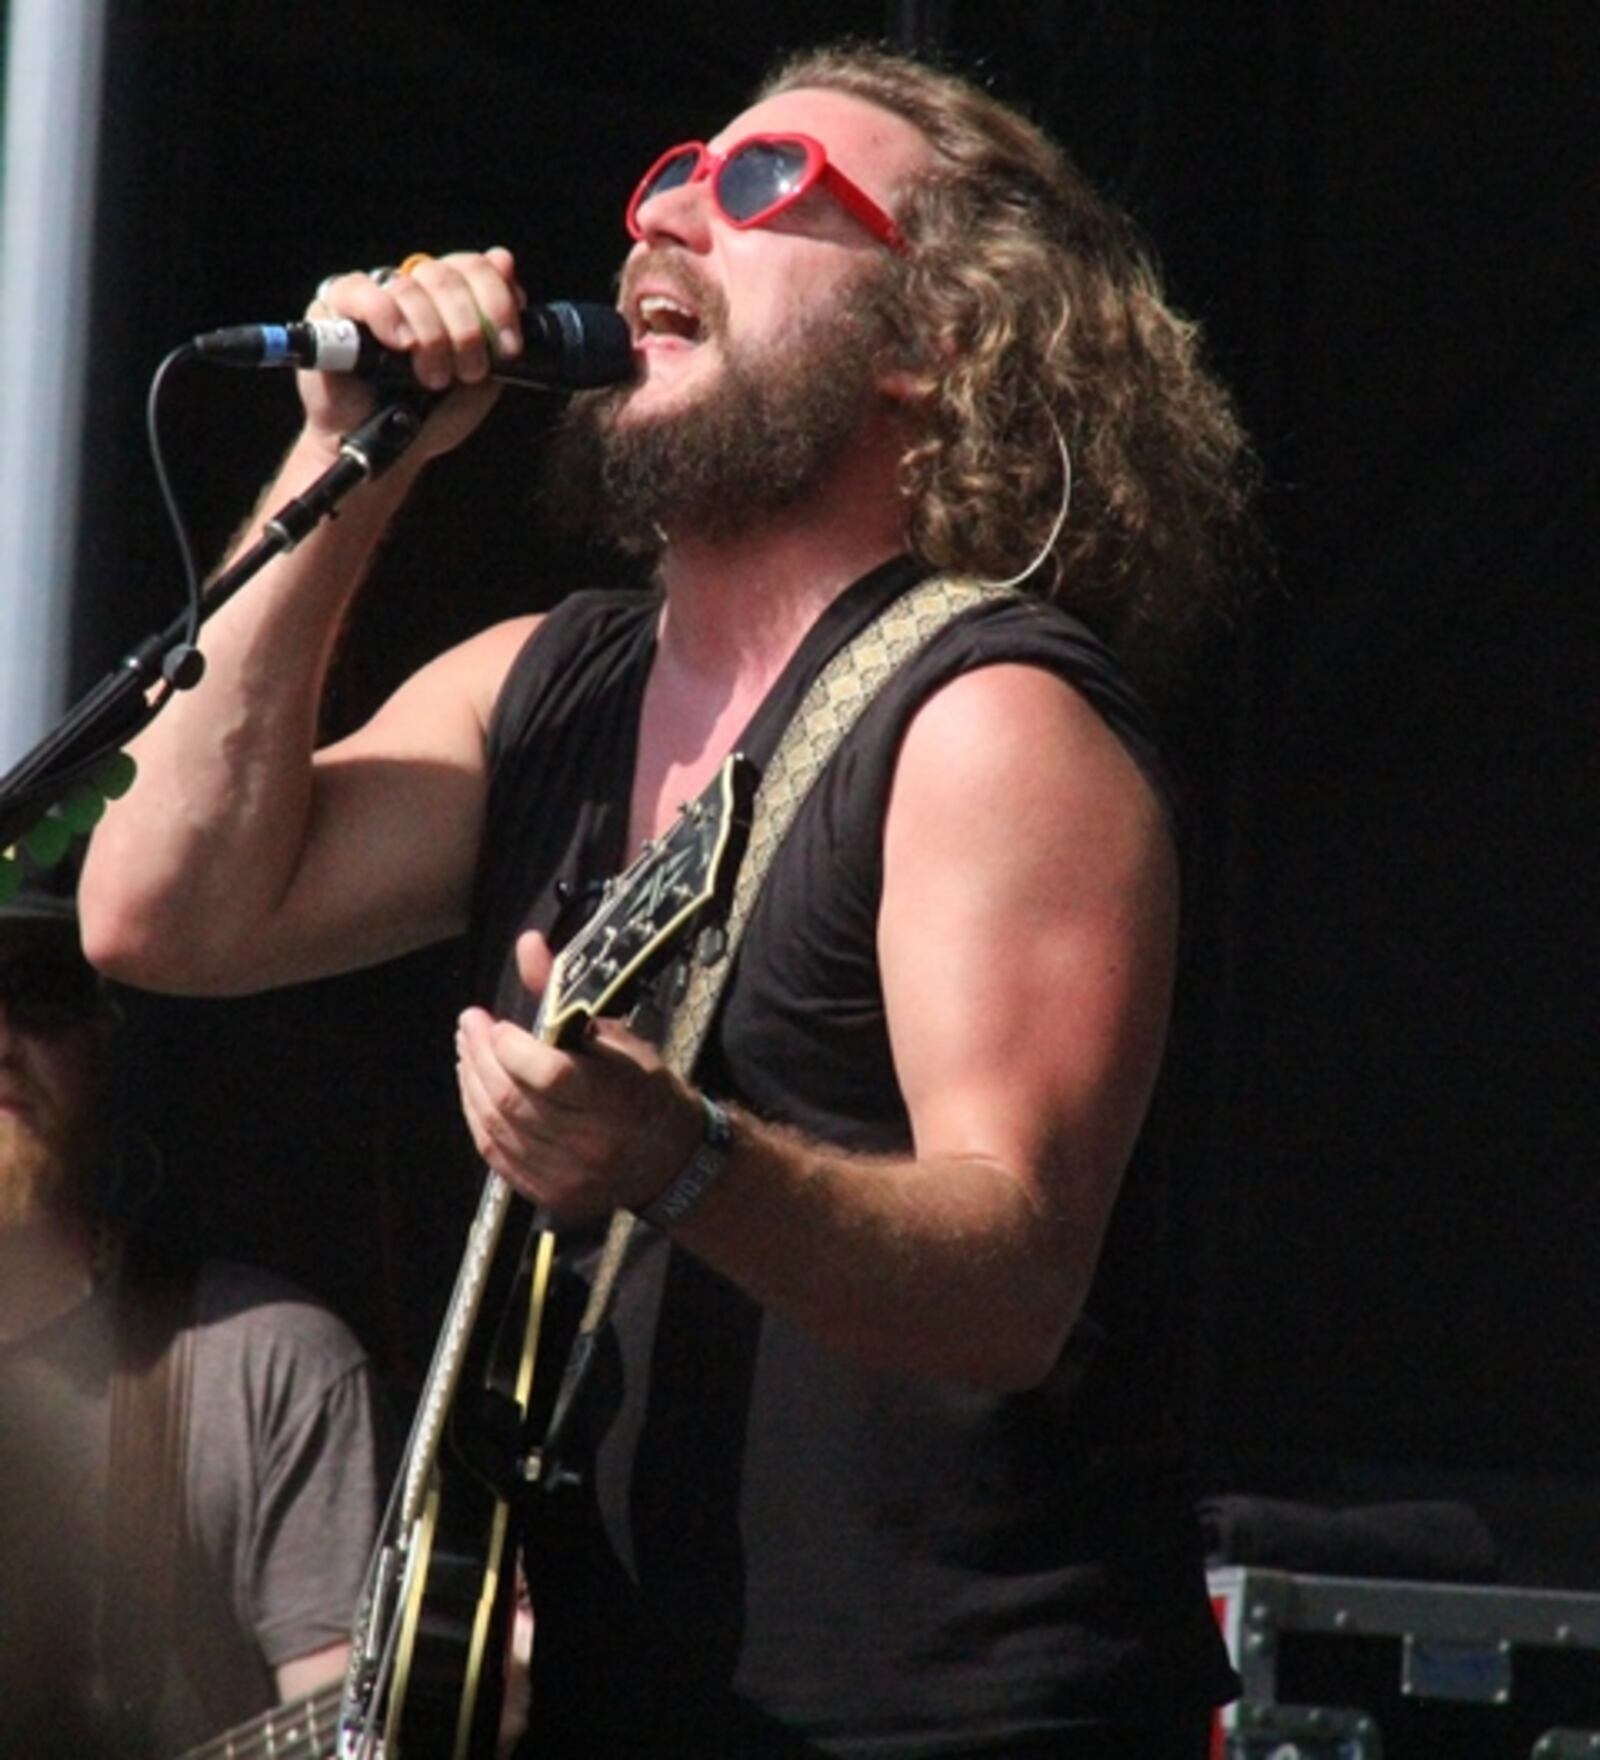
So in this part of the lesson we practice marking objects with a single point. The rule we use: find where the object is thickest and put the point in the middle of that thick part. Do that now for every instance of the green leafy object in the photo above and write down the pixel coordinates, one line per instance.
(82, 808)
(48, 841)
(114, 776)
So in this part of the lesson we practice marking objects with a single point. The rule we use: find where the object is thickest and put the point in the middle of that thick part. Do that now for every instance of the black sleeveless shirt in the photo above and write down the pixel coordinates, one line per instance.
(779, 1552)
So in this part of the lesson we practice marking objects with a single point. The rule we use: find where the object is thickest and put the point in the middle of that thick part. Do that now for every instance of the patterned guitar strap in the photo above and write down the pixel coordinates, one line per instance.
(835, 701)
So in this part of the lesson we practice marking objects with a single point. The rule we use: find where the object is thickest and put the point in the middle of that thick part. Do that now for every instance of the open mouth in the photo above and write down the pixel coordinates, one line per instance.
(661, 315)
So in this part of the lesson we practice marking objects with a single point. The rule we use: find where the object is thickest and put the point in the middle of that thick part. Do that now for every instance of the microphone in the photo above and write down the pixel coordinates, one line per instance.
(567, 345)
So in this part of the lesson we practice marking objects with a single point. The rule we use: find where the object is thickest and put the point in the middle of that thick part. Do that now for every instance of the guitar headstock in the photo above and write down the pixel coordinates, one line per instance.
(671, 889)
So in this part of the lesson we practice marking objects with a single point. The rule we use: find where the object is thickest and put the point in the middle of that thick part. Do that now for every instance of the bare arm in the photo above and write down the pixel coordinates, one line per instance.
(1026, 939)
(301, 1675)
(242, 857)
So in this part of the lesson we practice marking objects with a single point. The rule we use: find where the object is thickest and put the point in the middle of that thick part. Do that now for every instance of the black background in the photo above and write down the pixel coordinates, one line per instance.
(1385, 218)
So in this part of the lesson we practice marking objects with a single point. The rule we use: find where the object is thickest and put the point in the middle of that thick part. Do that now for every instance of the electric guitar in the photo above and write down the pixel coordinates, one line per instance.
(428, 1643)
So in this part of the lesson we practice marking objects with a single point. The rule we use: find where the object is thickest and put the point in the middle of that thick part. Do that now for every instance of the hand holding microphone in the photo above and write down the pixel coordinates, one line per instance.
(455, 324)
(440, 313)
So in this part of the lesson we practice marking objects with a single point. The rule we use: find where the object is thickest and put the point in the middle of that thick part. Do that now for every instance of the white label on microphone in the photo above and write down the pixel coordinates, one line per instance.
(338, 344)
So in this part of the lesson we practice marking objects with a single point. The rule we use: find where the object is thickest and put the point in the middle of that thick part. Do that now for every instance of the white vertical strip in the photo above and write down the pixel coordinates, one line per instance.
(52, 116)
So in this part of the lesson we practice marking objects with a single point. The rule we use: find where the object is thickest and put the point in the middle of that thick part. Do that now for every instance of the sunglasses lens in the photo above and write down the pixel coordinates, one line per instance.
(672, 173)
(758, 177)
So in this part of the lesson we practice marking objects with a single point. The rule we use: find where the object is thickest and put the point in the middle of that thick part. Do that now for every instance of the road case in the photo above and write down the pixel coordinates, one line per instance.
(1346, 1668)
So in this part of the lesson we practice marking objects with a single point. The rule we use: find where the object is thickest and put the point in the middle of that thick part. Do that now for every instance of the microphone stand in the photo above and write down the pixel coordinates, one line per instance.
(113, 711)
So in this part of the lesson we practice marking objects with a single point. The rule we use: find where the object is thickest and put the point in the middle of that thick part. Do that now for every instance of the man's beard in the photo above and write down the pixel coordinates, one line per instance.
(762, 439)
(39, 1176)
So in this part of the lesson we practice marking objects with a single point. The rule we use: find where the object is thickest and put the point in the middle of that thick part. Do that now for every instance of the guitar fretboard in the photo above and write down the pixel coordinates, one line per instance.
(308, 1729)
(450, 1353)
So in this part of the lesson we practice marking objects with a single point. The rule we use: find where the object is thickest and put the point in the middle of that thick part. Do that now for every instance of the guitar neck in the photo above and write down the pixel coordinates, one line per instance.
(304, 1729)
(450, 1353)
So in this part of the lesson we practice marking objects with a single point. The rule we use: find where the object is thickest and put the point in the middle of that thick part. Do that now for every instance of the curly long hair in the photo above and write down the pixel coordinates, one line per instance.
(1033, 319)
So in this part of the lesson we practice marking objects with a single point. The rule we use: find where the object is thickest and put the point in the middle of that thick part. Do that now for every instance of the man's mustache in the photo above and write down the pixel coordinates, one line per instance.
(675, 272)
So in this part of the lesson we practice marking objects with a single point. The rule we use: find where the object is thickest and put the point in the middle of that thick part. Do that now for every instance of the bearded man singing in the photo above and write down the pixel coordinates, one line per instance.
(882, 1459)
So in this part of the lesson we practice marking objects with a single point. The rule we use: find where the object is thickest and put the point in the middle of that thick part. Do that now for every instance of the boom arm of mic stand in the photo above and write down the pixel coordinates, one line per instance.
(115, 709)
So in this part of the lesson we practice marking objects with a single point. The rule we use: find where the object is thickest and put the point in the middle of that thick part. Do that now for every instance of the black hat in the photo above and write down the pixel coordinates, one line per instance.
(43, 907)
(39, 927)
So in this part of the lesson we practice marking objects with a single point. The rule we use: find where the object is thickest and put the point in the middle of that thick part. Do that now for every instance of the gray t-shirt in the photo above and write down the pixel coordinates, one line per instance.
(282, 1496)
